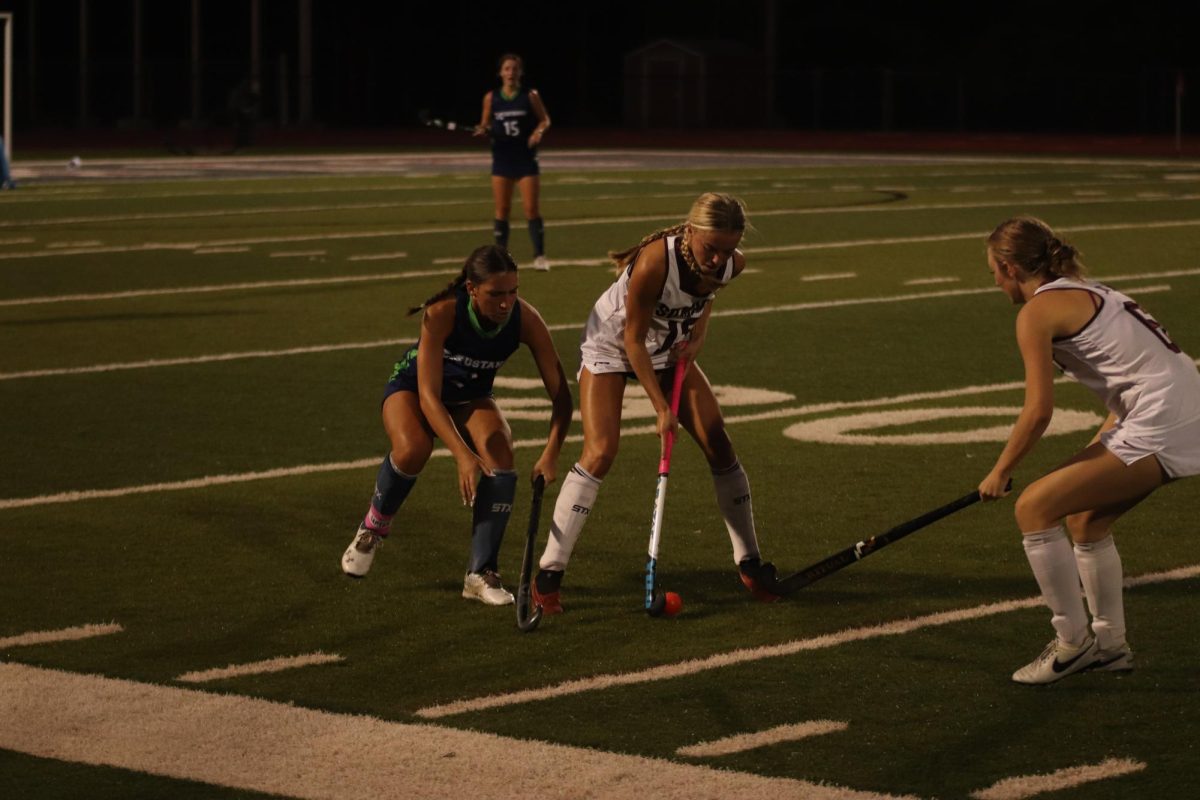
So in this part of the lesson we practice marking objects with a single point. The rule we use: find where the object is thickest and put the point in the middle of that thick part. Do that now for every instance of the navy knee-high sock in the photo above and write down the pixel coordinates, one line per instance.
(493, 506)
(391, 488)
(537, 233)
(500, 232)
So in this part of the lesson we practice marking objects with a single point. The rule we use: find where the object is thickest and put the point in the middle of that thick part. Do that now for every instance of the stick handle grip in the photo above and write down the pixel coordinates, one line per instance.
(681, 368)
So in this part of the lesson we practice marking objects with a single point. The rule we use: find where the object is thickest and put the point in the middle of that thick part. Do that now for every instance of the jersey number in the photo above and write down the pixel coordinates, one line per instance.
(1151, 323)
(676, 328)
(511, 128)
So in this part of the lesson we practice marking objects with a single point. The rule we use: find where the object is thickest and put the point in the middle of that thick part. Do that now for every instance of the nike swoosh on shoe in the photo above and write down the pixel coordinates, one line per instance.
(1061, 666)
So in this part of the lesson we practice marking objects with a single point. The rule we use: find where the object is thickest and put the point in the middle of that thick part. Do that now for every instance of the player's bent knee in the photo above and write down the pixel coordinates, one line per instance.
(598, 462)
(1032, 510)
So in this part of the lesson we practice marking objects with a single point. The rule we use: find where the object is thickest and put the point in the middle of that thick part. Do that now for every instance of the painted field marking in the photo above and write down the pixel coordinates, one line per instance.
(226, 287)
(1141, 290)
(747, 655)
(953, 237)
(378, 257)
(260, 667)
(845, 429)
(373, 461)
(63, 635)
(867, 208)
(208, 359)
(297, 253)
(928, 281)
(215, 251)
(1019, 788)
(751, 741)
(18, 240)
(63, 245)
(830, 276)
(196, 735)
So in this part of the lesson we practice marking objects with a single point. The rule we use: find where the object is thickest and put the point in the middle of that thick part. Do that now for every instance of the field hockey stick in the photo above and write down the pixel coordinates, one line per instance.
(528, 621)
(861, 550)
(654, 601)
(444, 124)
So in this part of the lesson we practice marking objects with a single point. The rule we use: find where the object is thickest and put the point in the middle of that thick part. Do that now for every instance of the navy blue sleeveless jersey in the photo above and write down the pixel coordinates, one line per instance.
(513, 122)
(470, 358)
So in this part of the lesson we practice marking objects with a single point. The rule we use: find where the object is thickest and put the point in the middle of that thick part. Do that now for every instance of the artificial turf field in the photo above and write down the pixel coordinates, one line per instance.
(190, 374)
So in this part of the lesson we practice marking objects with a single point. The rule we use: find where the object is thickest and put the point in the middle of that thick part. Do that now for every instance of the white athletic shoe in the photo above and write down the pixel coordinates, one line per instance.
(1058, 661)
(1119, 659)
(541, 264)
(356, 561)
(486, 588)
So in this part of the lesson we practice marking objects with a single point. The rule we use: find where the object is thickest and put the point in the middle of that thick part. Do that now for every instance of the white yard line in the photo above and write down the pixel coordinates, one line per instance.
(216, 251)
(227, 287)
(61, 245)
(747, 655)
(1024, 786)
(378, 256)
(565, 223)
(260, 667)
(830, 276)
(306, 753)
(373, 461)
(953, 237)
(927, 281)
(296, 253)
(751, 741)
(206, 359)
(1141, 290)
(62, 635)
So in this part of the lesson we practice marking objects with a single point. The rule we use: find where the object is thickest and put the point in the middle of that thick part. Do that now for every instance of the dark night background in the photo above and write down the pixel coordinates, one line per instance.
(849, 66)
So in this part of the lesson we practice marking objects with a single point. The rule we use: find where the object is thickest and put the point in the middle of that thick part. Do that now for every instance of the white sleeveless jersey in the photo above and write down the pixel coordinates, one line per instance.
(676, 311)
(1127, 358)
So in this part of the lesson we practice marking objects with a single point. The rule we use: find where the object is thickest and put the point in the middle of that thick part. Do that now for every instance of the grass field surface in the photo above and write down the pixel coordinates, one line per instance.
(190, 376)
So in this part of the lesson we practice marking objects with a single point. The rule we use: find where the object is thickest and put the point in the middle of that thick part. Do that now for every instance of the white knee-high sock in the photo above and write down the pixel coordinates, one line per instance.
(1053, 562)
(571, 510)
(733, 498)
(1100, 569)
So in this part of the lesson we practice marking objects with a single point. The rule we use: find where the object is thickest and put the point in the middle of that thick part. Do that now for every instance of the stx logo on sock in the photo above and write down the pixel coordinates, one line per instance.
(737, 501)
(581, 510)
(501, 508)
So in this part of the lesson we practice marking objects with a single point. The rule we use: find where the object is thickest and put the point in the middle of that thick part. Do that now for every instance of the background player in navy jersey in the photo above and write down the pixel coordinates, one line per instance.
(1106, 341)
(657, 311)
(443, 387)
(516, 120)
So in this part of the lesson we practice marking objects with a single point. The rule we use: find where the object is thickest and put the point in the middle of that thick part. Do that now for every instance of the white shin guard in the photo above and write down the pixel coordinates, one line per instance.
(1053, 562)
(571, 511)
(733, 498)
(1102, 576)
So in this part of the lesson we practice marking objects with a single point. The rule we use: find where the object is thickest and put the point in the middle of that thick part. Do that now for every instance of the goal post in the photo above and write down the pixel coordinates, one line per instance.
(6, 21)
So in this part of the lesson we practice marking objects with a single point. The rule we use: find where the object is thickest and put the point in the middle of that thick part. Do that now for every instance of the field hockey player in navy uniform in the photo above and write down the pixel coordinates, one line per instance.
(442, 387)
(516, 120)
(656, 312)
(1107, 342)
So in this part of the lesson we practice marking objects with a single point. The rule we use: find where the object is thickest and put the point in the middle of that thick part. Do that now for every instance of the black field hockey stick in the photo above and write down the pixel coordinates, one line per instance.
(424, 117)
(527, 618)
(655, 602)
(861, 550)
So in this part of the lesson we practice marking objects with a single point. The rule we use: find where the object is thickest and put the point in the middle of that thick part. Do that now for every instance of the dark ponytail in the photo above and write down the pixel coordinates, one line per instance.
(483, 263)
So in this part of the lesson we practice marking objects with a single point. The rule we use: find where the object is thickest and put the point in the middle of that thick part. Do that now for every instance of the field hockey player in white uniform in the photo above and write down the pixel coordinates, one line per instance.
(656, 312)
(1107, 342)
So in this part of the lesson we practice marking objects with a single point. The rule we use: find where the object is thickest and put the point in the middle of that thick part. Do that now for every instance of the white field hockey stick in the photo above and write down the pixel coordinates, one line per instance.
(655, 602)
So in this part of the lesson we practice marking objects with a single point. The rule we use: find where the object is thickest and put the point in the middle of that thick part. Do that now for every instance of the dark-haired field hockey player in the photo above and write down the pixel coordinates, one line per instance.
(442, 387)
(516, 120)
